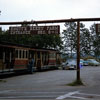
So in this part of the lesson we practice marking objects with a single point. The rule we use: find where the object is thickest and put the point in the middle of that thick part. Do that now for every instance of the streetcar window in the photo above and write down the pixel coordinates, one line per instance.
(52, 55)
(26, 54)
(38, 54)
(23, 54)
(16, 53)
(19, 53)
(1, 53)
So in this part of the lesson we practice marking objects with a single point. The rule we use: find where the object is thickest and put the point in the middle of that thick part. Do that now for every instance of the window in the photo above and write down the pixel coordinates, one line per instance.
(16, 53)
(26, 54)
(23, 54)
(1, 53)
(19, 53)
(52, 55)
(38, 55)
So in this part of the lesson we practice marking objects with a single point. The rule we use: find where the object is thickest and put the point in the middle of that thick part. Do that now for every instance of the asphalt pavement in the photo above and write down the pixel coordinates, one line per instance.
(52, 85)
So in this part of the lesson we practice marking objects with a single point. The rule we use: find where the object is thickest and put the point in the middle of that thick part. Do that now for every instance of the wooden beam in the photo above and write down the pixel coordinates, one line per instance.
(50, 21)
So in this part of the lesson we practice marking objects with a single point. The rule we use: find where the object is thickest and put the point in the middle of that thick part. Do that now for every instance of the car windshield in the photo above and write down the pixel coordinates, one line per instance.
(92, 60)
(72, 61)
(81, 60)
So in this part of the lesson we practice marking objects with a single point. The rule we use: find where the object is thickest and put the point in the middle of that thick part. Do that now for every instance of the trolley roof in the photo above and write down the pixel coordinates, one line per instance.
(22, 46)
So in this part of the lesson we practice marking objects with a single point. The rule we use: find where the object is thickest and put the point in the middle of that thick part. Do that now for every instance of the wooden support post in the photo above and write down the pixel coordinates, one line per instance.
(78, 51)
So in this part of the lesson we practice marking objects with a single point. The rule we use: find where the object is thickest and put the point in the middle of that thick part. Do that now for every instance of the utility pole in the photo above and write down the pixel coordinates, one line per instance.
(78, 50)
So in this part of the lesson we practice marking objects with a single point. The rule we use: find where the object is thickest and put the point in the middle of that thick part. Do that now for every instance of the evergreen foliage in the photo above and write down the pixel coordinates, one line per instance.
(38, 41)
(89, 40)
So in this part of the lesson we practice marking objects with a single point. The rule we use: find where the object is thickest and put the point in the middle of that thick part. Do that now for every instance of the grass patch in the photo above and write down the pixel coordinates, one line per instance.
(2, 80)
(76, 83)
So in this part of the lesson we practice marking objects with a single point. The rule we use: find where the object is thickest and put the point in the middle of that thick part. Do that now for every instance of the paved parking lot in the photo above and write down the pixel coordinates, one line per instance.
(52, 85)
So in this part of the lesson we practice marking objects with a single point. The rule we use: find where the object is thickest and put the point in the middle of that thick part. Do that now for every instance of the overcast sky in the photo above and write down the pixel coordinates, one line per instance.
(21, 10)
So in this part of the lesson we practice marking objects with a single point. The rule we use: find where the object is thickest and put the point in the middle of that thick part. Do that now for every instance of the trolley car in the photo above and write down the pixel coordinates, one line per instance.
(14, 58)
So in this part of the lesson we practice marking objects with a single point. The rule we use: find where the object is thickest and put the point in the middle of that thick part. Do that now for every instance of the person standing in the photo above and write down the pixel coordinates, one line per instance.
(31, 65)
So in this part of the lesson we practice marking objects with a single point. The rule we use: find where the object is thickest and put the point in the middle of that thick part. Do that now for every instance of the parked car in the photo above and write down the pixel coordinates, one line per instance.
(84, 62)
(81, 61)
(93, 62)
(64, 65)
(69, 64)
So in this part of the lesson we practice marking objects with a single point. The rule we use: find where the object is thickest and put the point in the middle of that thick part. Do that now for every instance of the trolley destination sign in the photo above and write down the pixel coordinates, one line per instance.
(55, 29)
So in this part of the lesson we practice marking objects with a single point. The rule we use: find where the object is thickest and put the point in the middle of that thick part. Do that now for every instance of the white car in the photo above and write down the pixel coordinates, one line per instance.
(81, 61)
(93, 62)
(70, 64)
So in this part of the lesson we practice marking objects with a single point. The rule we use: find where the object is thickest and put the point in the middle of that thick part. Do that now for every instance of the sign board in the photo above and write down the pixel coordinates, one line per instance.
(98, 28)
(55, 29)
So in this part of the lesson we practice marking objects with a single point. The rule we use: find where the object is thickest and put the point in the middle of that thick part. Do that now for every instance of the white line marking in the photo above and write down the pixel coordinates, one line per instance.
(36, 92)
(68, 95)
(5, 91)
(13, 91)
(14, 97)
(77, 97)
(90, 94)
